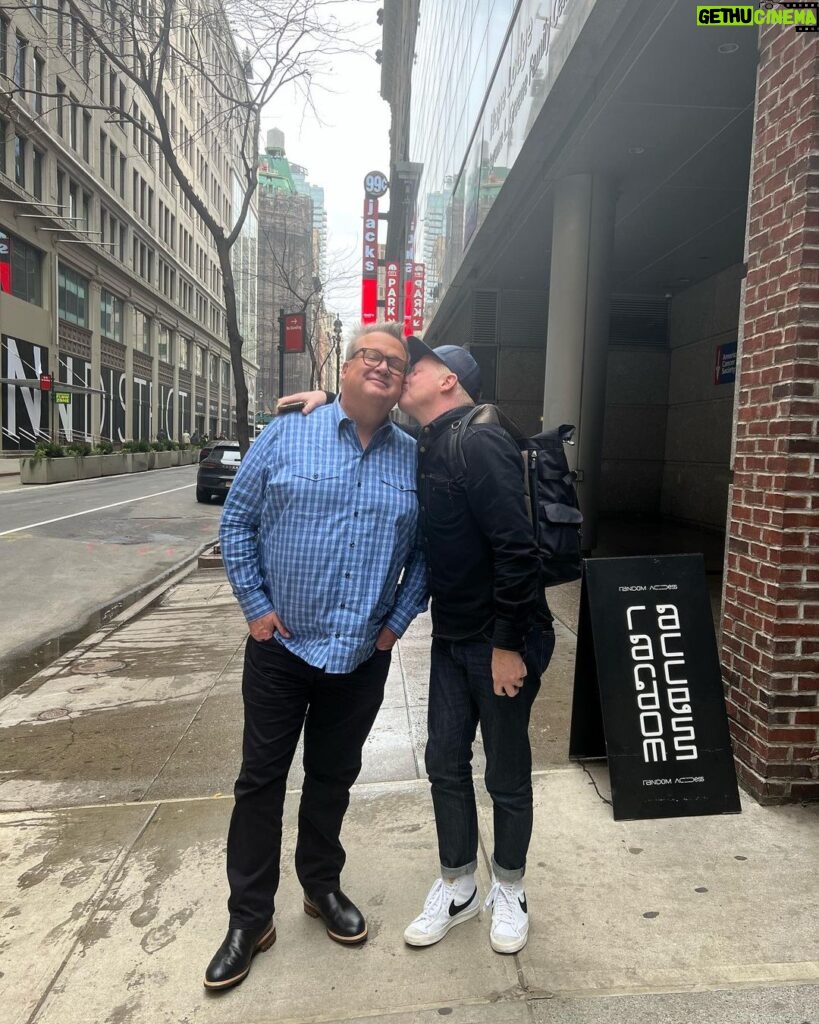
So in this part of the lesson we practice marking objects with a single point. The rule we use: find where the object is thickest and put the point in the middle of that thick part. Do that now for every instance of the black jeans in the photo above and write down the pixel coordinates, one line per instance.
(460, 696)
(281, 694)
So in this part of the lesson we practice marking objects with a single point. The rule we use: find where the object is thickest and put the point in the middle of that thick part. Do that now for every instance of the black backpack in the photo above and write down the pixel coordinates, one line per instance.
(550, 492)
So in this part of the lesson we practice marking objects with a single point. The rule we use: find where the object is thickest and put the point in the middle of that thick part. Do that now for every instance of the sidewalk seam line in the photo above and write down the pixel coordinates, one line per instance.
(98, 897)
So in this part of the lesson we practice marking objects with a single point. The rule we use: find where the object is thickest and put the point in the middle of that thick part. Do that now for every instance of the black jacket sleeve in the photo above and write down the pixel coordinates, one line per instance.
(494, 488)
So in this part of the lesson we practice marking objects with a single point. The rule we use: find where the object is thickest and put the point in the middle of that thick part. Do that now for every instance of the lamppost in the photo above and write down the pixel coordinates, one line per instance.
(337, 325)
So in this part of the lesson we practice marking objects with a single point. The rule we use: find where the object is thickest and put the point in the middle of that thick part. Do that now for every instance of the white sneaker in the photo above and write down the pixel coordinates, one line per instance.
(450, 902)
(510, 916)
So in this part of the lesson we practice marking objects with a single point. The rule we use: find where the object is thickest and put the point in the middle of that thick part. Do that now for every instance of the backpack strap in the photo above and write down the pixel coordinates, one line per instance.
(491, 414)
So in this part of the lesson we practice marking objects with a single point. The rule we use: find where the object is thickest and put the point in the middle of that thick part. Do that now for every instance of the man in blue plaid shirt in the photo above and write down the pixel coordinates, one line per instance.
(320, 542)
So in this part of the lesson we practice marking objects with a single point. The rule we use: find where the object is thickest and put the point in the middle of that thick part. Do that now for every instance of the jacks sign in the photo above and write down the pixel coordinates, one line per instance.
(647, 688)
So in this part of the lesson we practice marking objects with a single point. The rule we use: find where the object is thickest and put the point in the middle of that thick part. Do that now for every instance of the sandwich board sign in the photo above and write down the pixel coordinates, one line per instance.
(648, 690)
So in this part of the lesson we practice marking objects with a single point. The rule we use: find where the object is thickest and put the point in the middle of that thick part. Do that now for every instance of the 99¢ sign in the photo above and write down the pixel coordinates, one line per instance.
(375, 184)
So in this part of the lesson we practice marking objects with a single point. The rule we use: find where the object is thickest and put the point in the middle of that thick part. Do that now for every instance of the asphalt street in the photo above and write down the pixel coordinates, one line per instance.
(70, 550)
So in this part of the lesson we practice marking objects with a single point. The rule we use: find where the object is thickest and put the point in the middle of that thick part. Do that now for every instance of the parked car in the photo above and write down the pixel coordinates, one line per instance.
(217, 470)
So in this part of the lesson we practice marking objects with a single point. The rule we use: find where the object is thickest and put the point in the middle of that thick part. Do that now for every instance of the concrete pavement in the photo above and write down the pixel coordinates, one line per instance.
(116, 769)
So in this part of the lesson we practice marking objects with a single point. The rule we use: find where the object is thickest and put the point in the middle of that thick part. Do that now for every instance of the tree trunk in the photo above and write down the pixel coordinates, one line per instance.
(235, 342)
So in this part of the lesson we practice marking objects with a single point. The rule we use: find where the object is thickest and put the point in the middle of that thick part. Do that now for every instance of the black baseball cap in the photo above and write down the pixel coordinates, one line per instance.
(454, 358)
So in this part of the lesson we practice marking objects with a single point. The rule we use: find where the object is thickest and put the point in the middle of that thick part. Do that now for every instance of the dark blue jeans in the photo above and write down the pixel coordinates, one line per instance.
(282, 694)
(461, 696)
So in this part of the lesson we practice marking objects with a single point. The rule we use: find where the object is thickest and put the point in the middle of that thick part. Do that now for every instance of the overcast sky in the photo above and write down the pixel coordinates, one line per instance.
(352, 139)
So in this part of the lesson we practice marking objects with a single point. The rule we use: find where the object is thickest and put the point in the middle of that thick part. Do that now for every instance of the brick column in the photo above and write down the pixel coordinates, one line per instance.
(770, 628)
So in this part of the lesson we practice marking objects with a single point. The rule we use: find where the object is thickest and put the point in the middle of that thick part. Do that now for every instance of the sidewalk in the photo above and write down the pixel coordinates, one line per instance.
(116, 773)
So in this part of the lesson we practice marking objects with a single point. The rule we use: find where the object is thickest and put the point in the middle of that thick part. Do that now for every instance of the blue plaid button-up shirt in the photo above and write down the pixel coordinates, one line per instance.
(320, 531)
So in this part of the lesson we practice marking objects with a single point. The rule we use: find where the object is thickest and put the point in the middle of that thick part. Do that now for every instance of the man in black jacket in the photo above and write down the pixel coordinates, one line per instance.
(492, 641)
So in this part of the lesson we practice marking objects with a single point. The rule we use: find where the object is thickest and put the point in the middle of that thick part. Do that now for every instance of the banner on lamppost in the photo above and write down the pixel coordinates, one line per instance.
(5, 262)
(294, 332)
(369, 263)
(408, 268)
(417, 310)
(391, 291)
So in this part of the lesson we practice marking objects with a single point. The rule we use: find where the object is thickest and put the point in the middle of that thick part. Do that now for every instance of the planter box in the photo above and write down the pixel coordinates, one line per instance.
(90, 466)
(113, 465)
(137, 462)
(162, 460)
(49, 471)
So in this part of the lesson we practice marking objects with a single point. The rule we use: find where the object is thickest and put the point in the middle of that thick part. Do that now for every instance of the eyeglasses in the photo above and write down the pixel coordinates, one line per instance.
(372, 357)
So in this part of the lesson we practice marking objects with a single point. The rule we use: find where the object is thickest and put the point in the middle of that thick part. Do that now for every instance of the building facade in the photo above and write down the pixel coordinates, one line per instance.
(110, 281)
(286, 274)
(598, 252)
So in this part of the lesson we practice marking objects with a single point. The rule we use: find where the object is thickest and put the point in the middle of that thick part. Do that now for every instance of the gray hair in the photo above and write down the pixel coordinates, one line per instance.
(391, 327)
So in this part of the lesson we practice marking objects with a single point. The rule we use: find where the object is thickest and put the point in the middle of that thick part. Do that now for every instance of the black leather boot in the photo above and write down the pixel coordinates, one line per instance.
(231, 962)
(345, 922)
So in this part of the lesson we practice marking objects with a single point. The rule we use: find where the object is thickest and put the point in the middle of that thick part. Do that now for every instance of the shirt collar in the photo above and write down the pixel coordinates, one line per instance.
(381, 436)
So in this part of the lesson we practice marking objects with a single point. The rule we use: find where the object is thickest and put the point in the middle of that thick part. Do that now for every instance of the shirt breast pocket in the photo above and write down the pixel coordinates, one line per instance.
(399, 499)
(315, 491)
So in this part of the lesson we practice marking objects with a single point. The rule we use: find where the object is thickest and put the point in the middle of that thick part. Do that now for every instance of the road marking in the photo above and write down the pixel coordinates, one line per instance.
(88, 511)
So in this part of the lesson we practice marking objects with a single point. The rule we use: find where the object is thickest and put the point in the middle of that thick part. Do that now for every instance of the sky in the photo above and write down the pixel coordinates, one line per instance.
(350, 139)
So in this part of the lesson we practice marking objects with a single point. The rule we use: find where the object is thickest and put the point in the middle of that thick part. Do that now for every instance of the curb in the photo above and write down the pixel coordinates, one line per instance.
(23, 666)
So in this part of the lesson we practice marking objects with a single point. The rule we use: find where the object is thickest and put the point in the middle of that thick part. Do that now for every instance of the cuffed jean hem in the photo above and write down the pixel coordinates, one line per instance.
(505, 875)
(467, 869)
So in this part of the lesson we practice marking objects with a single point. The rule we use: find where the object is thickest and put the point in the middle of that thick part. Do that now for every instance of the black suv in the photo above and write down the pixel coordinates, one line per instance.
(217, 470)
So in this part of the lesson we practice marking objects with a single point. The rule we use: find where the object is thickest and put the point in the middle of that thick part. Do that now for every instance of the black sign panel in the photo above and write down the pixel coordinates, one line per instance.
(167, 421)
(142, 409)
(184, 412)
(647, 688)
(25, 410)
(112, 405)
(75, 417)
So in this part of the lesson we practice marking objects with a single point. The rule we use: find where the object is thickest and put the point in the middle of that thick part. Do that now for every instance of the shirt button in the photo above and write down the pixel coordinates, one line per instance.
(346, 575)
(421, 449)
(338, 635)
(355, 515)
(352, 544)
(343, 605)
(358, 484)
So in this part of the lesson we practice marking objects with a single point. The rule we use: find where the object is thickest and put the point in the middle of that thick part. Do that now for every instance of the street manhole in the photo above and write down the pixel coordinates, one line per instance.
(98, 666)
(52, 713)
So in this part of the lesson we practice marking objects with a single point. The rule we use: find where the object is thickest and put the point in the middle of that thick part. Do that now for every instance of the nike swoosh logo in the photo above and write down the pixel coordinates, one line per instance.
(456, 908)
(523, 905)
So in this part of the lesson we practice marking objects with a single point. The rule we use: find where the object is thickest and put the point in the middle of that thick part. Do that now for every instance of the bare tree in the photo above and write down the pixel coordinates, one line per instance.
(237, 55)
(296, 284)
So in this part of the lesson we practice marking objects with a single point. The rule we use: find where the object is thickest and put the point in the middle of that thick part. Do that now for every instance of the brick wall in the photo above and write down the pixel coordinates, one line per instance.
(770, 638)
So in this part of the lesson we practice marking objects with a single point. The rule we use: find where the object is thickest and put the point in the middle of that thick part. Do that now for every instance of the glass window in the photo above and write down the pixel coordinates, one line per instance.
(37, 177)
(200, 361)
(183, 353)
(4, 42)
(20, 160)
(164, 344)
(39, 82)
(20, 62)
(111, 315)
(26, 269)
(213, 368)
(60, 107)
(225, 374)
(72, 301)
(72, 123)
(86, 137)
(146, 334)
(3, 131)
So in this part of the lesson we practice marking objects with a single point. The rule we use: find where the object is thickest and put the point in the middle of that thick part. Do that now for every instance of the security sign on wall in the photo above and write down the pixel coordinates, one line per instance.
(647, 688)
